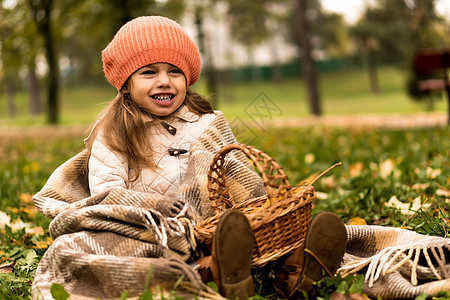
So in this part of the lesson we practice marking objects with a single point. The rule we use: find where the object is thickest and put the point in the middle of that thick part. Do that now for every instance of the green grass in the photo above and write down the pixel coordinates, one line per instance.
(377, 164)
(343, 93)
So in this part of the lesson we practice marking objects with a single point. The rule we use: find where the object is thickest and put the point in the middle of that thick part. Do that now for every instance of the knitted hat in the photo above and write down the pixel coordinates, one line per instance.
(148, 40)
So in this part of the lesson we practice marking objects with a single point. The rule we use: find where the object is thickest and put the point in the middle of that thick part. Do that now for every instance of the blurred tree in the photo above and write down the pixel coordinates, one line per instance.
(247, 21)
(390, 32)
(212, 84)
(71, 34)
(317, 33)
(10, 58)
(19, 48)
(331, 34)
(253, 22)
(42, 11)
(362, 33)
(304, 39)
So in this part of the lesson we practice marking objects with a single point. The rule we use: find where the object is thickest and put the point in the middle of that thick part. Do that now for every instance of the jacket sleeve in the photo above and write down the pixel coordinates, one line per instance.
(107, 169)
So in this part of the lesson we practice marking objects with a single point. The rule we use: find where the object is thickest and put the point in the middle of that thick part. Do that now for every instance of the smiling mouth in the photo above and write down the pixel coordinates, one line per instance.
(163, 98)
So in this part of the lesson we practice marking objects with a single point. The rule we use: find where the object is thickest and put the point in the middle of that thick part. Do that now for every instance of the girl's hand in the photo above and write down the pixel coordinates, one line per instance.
(170, 206)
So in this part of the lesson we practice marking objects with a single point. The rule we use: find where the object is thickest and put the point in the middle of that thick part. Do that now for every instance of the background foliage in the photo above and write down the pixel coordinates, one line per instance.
(52, 44)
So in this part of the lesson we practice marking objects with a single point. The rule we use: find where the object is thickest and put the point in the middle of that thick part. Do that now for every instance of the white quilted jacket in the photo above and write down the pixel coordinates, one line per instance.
(108, 169)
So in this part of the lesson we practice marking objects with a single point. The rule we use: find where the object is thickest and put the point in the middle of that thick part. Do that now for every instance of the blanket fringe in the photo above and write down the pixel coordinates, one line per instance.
(163, 227)
(392, 259)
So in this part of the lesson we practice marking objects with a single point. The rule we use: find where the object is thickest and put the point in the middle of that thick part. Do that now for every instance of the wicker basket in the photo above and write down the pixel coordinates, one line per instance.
(279, 220)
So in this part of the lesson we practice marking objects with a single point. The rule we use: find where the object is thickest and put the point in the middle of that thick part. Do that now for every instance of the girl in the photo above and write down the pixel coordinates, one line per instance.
(125, 207)
(147, 130)
(142, 141)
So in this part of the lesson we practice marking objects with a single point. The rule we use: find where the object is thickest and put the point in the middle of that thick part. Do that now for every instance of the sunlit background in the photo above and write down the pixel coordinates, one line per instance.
(318, 58)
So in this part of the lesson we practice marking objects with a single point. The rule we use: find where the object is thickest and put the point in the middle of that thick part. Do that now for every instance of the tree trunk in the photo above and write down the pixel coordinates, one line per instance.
(210, 71)
(371, 67)
(373, 77)
(10, 95)
(52, 60)
(44, 8)
(308, 65)
(34, 91)
(277, 74)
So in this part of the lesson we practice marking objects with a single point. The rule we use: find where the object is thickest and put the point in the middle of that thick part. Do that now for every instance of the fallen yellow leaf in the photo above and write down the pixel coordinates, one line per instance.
(355, 169)
(35, 230)
(26, 198)
(321, 195)
(43, 245)
(407, 208)
(13, 209)
(357, 221)
(7, 267)
(433, 173)
(420, 186)
(310, 158)
(386, 168)
(443, 192)
(30, 211)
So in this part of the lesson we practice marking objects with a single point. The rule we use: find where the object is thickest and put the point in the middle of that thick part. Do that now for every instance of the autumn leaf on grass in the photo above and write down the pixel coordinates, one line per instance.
(32, 167)
(35, 230)
(386, 168)
(433, 173)
(7, 267)
(43, 244)
(407, 208)
(357, 221)
(27, 205)
(310, 158)
(421, 186)
(321, 195)
(355, 169)
(354, 296)
(29, 211)
(443, 192)
(26, 198)
(4, 219)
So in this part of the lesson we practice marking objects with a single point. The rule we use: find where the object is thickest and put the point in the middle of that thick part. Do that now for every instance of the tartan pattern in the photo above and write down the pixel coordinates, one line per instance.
(398, 263)
(110, 242)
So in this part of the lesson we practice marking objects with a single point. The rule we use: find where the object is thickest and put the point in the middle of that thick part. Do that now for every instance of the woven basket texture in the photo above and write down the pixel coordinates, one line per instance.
(279, 220)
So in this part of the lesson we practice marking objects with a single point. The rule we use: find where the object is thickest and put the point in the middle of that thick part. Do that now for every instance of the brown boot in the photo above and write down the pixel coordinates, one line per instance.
(324, 248)
(232, 253)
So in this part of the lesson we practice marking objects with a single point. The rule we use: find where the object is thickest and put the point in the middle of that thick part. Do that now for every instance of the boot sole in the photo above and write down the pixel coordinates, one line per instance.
(327, 240)
(233, 251)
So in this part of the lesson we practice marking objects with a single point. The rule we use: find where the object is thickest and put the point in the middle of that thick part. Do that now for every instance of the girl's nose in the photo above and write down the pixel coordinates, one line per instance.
(162, 79)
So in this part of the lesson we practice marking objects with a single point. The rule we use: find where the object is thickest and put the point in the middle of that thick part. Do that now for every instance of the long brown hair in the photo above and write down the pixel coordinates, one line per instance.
(123, 128)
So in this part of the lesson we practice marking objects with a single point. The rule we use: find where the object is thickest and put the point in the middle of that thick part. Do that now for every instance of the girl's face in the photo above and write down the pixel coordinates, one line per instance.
(159, 88)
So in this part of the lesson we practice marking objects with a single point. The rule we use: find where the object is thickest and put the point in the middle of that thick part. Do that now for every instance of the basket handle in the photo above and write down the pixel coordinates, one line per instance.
(275, 180)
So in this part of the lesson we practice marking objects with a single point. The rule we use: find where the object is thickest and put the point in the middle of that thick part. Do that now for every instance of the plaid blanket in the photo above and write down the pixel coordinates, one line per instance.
(123, 240)
(398, 263)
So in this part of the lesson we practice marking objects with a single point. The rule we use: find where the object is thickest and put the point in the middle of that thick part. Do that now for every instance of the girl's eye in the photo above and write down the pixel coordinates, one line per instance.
(148, 72)
(176, 71)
